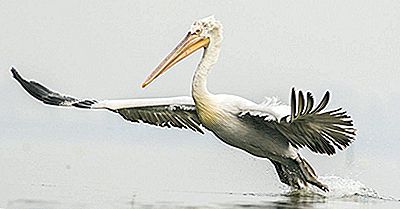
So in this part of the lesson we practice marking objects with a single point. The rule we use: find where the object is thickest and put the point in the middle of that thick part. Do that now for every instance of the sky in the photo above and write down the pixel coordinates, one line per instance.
(105, 50)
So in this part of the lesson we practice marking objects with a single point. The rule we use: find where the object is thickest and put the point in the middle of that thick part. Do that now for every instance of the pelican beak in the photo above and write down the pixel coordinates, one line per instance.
(191, 43)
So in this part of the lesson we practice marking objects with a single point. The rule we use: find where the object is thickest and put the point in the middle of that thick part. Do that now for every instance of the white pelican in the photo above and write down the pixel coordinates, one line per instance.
(269, 130)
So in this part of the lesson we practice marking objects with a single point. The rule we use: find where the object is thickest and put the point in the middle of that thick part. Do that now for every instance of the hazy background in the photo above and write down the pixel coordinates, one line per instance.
(105, 49)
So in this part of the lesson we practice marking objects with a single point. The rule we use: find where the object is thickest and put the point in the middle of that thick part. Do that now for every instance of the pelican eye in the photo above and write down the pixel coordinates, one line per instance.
(197, 31)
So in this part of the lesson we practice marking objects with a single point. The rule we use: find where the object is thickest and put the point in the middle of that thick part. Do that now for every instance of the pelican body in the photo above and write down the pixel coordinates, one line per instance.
(270, 130)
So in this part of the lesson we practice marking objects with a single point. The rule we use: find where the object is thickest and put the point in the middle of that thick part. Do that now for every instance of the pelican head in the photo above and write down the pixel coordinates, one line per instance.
(207, 27)
(202, 34)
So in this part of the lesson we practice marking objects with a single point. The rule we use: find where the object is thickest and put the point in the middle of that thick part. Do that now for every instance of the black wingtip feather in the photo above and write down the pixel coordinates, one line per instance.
(323, 103)
(48, 96)
(34, 89)
(310, 103)
(16, 75)
(293, 105)
(301, 104)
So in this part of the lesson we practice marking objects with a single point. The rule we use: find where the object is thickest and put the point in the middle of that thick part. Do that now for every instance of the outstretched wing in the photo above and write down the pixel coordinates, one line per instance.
(177, 112)
(320, 131)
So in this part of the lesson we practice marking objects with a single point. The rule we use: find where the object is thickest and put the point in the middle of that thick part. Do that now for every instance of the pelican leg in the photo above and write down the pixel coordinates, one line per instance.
(281, 173)
(290, 175)
(309, 174)
(297, 173)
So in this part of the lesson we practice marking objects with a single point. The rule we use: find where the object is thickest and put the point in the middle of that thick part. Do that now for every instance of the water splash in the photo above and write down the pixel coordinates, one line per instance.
(339, 189)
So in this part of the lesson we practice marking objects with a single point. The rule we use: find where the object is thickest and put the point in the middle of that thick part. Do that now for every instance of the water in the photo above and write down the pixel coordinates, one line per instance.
(345, 193)
(185, 199)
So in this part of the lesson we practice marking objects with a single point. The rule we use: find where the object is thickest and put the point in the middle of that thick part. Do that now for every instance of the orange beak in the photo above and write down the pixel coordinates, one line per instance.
(190, 44)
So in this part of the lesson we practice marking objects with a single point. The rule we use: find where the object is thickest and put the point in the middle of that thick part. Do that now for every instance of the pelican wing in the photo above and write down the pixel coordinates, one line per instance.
(177, 112)
(320, 131)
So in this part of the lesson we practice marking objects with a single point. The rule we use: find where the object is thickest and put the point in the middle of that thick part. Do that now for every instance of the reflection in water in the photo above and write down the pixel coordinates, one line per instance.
(279, 202)
(289, 200)
(355, 197)
(346, 193)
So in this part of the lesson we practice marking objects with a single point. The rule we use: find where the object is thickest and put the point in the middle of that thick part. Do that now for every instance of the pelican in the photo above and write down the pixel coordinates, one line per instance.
(269, 130)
